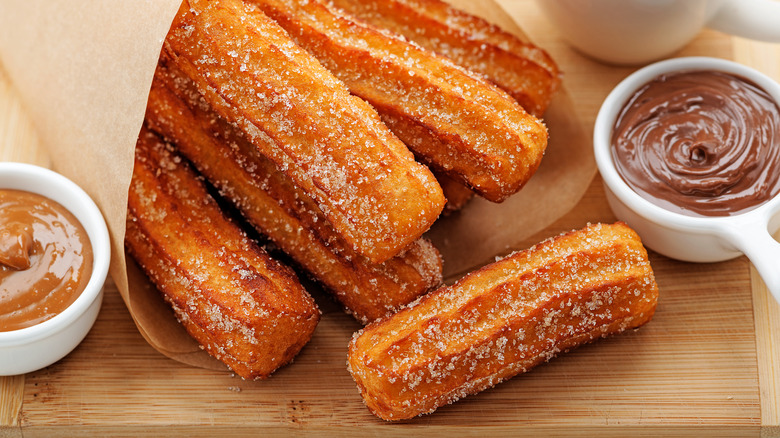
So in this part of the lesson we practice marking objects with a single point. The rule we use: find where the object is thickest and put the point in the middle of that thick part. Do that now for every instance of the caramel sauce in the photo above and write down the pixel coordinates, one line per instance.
(45, 259)
(700, 143)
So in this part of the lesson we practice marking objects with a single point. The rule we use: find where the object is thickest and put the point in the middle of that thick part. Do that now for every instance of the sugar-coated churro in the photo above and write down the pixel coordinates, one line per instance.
(281, 211)
(331, 144)
(453, 120)
(243, 307)
(503, 319)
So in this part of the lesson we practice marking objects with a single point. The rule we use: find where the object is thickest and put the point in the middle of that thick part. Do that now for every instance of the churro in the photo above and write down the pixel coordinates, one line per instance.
(294, 111)
(243, 307)
(504, 319)
(453, 120)
(281, 211)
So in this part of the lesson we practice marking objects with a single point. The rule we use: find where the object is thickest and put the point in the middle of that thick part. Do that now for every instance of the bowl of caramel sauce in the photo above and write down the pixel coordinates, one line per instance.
(689, 152)
(54, 257)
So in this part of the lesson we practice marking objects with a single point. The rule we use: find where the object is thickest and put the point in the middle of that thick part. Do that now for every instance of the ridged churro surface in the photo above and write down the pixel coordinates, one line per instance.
(522, 69)
(331, 144)
(453, 120)
(504, 319)
(280, 210)
(243, 307)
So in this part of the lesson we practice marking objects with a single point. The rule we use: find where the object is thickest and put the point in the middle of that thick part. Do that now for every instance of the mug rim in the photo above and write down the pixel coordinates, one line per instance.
(602, 143)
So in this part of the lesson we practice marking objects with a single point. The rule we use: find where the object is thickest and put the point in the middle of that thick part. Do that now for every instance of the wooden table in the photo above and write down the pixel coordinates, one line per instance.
(707, 365)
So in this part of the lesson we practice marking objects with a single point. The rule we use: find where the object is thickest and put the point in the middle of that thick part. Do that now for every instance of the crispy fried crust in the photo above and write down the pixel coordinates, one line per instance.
(453, 120)
(245, 308)
(504, 319)
(280, 210)
(331, 144)
(520, 68)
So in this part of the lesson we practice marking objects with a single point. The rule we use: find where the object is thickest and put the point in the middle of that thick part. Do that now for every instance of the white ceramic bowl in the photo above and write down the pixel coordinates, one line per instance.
(694, 239)
(32, 348)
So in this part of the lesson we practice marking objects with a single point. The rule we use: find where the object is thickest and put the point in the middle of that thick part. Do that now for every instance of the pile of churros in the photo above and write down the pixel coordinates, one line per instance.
(340, 130)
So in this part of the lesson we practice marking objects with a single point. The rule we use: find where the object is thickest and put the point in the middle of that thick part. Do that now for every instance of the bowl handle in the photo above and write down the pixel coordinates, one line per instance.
(755, 241)
(754, 19)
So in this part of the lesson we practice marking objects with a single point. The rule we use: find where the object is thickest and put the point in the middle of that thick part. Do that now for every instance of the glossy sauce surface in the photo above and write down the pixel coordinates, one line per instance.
(45, 259)
(700, 143)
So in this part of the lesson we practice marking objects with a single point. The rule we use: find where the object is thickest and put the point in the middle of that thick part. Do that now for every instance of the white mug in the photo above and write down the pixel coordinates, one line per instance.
(638, 31)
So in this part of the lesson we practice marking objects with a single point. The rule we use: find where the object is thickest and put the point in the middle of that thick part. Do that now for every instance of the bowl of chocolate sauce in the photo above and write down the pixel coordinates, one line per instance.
(689, 151)
(54, 257)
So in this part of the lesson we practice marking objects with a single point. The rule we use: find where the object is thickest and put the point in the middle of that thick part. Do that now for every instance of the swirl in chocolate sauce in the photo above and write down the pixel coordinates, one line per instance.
(700, 143)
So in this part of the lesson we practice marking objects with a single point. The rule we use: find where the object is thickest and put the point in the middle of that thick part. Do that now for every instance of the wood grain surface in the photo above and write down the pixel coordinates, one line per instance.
(708, 364)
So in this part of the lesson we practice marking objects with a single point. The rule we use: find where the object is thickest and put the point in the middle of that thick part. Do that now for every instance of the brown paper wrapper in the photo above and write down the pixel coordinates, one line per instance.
(83, 70)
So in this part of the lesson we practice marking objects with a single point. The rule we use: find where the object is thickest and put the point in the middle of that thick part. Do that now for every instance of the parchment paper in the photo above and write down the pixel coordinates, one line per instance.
(83, 70)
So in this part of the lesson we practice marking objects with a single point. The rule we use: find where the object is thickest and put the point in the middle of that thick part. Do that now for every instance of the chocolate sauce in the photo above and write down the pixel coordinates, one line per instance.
(45, 259)
(700, 143)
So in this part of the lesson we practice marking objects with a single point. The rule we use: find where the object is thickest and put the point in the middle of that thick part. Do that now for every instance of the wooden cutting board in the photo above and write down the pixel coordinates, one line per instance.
(708, 364)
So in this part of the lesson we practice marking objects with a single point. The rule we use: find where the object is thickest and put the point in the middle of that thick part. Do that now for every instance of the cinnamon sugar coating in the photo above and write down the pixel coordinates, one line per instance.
(520, 68)
(332, 144)
(453, 120)
(243, 307)
(281, 211)
(503, 320)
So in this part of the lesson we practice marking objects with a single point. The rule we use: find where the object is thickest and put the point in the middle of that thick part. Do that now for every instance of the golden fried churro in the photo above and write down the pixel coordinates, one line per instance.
(245, 308)
(520, 68)
(280, 210)
(504, 319)
(453, 120)
(331, 144)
